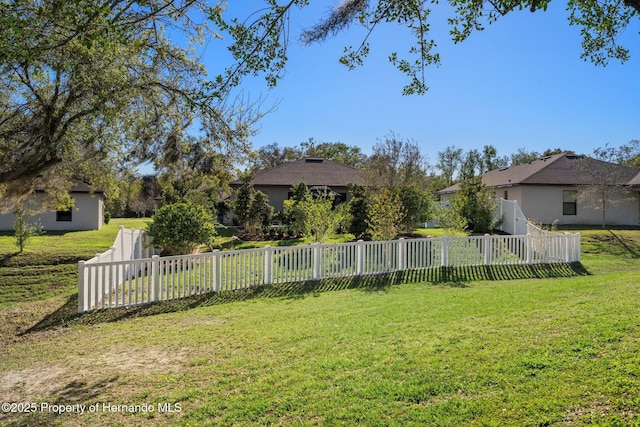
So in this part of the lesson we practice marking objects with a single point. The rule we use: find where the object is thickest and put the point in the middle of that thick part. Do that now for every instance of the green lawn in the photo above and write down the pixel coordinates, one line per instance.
(48, 266)
(453, 348)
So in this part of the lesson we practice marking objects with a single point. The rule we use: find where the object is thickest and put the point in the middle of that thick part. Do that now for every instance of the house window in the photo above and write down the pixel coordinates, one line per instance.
(505, 195)
(569, 202)
(63, 216)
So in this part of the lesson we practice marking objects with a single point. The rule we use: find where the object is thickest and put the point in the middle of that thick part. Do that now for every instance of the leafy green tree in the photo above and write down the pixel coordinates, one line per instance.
(273, 155)
(338, 152)
(319, 217)
(448, 163)
(385, 215)
(259, 214)
(180, 228)
(23, 231)
(475, 202)
(451, 220)
(417, 206)
(243, 199)
(89, 86)
(522, 157)
(358, 209)
(395, 163)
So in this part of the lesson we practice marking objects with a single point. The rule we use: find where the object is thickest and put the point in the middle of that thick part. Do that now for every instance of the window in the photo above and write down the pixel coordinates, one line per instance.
(569, 202)
(63, 216)
(505, 195)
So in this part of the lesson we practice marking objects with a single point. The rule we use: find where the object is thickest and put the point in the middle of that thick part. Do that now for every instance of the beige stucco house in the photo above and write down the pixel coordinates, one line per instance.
(553, 189)
(276, 182)
(86, 214)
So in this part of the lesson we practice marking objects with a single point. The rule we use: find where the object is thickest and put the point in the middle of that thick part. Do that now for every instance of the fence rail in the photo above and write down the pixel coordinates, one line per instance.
(122, 283)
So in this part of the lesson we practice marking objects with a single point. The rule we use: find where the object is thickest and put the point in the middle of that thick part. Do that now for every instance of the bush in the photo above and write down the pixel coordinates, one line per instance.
(23, 231)
(180, 228)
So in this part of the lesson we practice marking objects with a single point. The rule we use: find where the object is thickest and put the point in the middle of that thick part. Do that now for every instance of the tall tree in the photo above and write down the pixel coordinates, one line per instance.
(490, 160)
(448, 163)
(91, 82)
(395, 163)
(337, 151)
(522, 156)
(272, 155)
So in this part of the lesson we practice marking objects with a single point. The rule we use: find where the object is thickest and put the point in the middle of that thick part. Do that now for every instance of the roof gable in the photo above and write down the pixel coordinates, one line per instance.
(314, 171)
(559, 169)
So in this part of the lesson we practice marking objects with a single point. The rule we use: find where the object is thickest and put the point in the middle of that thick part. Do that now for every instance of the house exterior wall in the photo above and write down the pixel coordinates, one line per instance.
(543, 204)
(87, 214)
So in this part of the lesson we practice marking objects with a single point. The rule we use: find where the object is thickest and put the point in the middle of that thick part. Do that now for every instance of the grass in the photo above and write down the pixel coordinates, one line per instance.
(47, 268)
(452, 347)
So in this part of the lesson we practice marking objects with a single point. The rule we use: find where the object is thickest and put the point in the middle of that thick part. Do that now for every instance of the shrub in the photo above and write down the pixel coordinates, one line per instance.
(180, 228)
(386, 214)
(23, 231)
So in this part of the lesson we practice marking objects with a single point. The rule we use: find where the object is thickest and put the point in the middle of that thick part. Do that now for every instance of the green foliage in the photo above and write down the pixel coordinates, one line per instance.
(395, 163)
(315, 216)
(89, 87)
(450, 220)
(260, 213)
(242, 202)
(358, 209)
(385, 215)
(475, 202)
(180, 228)
(23, 230)
(417, 206)
(106, 217)
(338, 152)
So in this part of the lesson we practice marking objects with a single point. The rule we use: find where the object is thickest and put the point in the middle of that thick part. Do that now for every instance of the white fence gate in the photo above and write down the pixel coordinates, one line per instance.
(110, 283)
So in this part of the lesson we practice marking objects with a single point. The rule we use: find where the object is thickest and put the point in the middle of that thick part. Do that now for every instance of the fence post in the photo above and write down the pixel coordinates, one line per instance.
(402, 250)
(155, 276)
(268, 265)
(317, 260)
(121, 234)
(567, 246)
(360, 258)
(576, 248)
(82, 291)
(528, 248)
(217, 271)
(486, 250)
(444, 255)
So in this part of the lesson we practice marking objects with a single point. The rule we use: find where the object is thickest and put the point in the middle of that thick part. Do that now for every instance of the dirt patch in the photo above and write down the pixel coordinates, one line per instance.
(39, 381)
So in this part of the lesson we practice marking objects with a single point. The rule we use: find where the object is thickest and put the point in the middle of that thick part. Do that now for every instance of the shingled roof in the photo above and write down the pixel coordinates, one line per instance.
(313, 171)
(561, 169)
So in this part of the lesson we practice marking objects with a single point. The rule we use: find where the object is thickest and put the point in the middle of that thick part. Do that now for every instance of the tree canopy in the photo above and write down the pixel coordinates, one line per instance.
(260, 43)
(88, 86)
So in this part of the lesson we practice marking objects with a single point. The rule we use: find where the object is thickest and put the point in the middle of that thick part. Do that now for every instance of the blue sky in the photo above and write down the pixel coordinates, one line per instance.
(518, 84)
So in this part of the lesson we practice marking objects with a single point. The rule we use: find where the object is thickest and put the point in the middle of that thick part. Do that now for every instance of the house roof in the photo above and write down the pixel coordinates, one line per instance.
(561, 169)
(78, 187)
(313, 171)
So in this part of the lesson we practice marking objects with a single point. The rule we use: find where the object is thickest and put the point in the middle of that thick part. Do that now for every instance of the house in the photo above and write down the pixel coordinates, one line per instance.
(553, 189)
(276, 182)
(87, 212)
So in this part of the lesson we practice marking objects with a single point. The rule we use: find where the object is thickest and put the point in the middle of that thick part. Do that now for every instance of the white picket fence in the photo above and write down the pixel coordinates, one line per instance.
(513, 219)
(129, 245)
(124, 283)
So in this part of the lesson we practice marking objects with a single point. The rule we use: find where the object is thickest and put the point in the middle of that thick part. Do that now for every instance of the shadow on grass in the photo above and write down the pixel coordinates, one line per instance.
(73, 393)
(455, 277)
(5, 259)
(631, 251)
